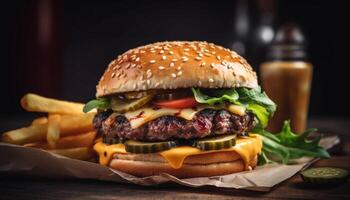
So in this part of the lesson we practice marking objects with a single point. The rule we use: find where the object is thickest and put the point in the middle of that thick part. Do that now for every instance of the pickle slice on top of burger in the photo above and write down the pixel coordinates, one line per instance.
(200, 96)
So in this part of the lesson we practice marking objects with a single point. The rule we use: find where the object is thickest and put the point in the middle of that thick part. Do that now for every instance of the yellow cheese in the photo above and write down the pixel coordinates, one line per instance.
(106, 152)
(141, 116)
(236, 109)
(247, 148)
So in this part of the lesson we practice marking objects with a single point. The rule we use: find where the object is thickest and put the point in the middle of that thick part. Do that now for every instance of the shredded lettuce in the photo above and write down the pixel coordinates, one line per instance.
(253, 99)
(285, 145)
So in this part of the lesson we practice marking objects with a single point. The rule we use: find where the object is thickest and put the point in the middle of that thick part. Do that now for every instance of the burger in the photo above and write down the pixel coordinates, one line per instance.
(187, 109)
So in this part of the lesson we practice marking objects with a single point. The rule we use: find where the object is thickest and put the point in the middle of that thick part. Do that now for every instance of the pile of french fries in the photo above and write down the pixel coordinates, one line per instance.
(65, 129)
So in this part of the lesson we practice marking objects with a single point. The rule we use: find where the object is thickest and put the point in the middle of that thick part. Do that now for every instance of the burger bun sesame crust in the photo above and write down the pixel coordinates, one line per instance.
(173, 65)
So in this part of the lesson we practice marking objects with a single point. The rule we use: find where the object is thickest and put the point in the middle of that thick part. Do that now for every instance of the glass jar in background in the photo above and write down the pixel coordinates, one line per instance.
(286, 77)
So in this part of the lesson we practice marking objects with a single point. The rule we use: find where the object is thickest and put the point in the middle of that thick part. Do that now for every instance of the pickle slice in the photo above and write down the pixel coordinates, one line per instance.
(138, 95)
(121, 106)
(324, 175)
(109, 140)
(133, 146)
(216, 143)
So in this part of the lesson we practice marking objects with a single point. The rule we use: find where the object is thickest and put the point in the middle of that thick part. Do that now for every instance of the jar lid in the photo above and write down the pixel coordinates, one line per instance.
(288, 44)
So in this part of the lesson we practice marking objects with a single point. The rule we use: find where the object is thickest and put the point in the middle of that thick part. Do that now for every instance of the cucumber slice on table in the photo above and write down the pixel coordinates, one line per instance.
(215, 143)
(133, 146)
(324, 175)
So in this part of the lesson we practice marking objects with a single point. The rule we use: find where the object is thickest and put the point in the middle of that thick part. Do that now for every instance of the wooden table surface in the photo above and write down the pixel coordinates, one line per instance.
(15, 187)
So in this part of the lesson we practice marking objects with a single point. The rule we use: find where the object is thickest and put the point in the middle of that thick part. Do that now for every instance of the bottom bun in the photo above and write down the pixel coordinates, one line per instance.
(150, 167)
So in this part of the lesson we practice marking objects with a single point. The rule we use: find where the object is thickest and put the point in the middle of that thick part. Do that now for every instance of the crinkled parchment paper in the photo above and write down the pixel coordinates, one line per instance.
(36, 162)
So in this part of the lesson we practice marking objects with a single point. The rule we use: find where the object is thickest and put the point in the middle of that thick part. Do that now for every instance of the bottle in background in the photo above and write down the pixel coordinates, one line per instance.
(286, 77)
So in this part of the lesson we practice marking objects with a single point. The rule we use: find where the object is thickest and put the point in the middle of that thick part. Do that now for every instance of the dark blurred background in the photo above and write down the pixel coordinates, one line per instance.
(61, 48)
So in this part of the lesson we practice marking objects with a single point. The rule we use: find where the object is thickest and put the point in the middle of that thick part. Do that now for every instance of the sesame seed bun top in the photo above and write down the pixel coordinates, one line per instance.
(172, 65)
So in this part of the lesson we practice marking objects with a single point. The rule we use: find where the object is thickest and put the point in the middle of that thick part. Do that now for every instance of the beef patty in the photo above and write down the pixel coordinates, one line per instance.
(206, 122)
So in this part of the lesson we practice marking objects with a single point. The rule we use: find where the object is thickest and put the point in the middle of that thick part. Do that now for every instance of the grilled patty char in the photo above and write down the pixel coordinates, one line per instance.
(206, 122)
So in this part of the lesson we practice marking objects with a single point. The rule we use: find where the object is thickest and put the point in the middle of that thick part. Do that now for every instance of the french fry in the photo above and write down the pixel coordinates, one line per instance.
(33, 133)
(73, 124)
(81, 140)
(36, 103)
(53, 130)
(40, 120)
(80, 153)
(72, 141)
(69, 125)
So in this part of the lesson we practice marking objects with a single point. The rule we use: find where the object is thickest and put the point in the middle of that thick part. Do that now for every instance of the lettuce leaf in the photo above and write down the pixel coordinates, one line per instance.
(286, 145)
(260, 112)
(257, 96)
(221, 96)
(253, 99)
(100, 104)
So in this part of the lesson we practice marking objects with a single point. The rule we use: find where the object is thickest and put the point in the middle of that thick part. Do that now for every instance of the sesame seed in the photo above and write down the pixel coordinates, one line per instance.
(223, 63)
(212, 65)
(165, 48)
(139, 66)
(133, 65)
(142, 51)
(137, 59)
(171, 64)
(118, 74)
(149, 73)
(161, 67)
(161, 51)
(178, 68)
(202, 64)
(206, 50)
(218, 57)
(163, 57)
(207, 54)
(153, 51)
(127, 65)
(211, 80)
(148, 81)
(174, 59)
(213, 52)
(200, 54)
(179, 73)
(171, 52)
(184, 59)
(198, 58)
(173, 75)
(152, 61)
(113, 75)
(187, 49)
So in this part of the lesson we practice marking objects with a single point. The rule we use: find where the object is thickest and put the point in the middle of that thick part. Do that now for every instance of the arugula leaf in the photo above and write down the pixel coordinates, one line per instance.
(100, 104)
(286, 145)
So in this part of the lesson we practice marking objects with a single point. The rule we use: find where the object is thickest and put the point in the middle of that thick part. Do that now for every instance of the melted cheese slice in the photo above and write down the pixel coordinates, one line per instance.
(141, 116)
(247, 148)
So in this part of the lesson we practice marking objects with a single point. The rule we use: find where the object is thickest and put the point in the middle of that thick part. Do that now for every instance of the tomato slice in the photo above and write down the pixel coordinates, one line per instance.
(178, 103)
